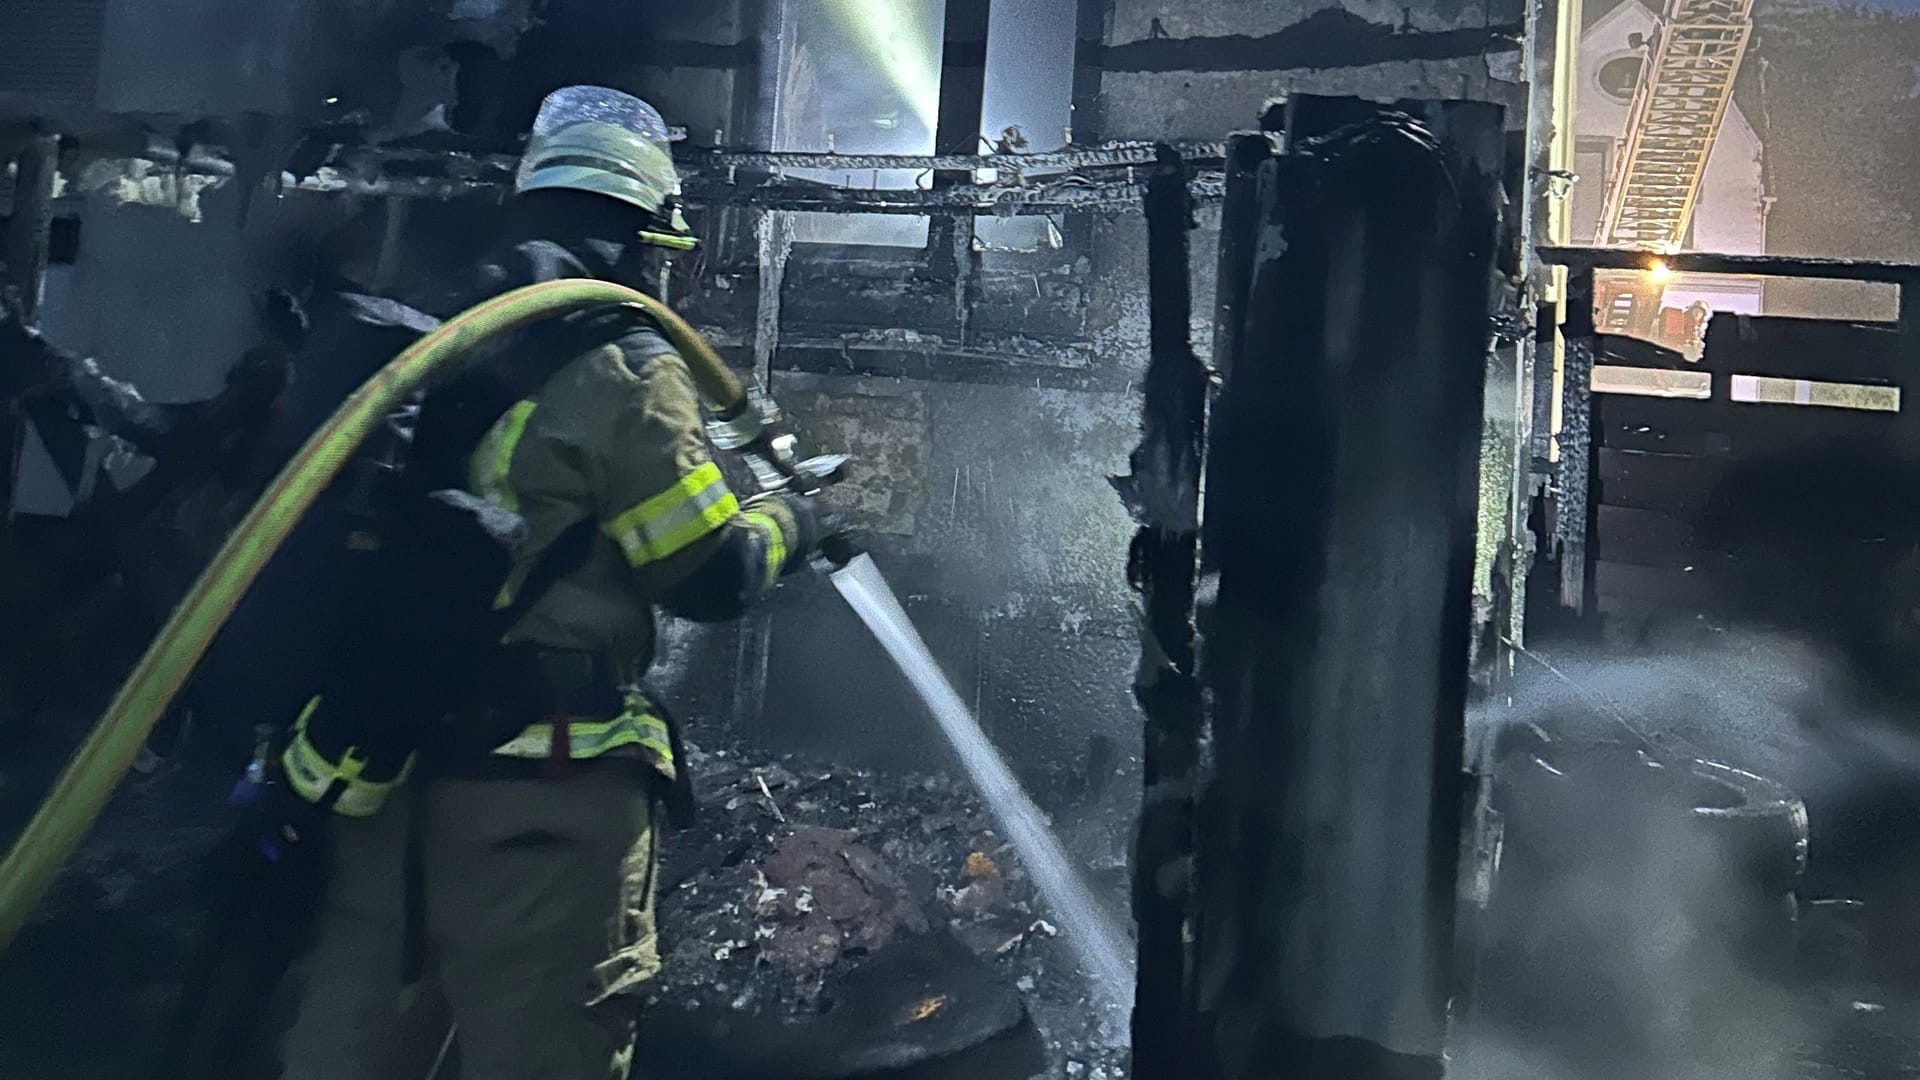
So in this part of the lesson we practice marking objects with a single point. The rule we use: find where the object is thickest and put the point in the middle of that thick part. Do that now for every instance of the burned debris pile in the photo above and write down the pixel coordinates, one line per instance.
(797, 875)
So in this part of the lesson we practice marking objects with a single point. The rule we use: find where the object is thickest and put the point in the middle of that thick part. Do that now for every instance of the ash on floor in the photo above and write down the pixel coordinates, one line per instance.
(794, 871)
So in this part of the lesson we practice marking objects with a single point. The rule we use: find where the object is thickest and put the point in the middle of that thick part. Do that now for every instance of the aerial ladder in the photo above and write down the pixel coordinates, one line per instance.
(1685, 88)
(1686, 85)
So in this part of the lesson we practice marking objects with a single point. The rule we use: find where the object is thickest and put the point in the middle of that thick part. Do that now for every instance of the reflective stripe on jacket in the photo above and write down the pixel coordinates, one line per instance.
(617, 436)
(637, 726)
(312, 772)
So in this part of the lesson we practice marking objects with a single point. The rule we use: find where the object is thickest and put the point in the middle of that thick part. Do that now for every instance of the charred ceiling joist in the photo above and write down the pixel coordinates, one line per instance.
(1329, 38)
(1113, 197)
(1100, 180)
(1701, 262)
(1057, 367)
(1109, 156)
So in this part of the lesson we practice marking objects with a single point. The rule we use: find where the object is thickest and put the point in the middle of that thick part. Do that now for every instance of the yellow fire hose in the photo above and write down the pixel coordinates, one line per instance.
(83, 788)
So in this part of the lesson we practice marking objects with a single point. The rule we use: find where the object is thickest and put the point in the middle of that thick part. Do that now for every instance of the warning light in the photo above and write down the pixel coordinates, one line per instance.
(1660, 270)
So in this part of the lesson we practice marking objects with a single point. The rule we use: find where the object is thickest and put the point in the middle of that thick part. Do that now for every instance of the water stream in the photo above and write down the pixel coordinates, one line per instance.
(1104, 951)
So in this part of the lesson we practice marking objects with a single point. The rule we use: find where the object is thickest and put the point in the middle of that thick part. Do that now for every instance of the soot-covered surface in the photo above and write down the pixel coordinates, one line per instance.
(798, 871)
(89, 984)
(759, 913)
(104, 957)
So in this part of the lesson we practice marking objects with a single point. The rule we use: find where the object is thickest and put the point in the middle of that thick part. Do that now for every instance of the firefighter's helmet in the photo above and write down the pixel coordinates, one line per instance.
(591, 138)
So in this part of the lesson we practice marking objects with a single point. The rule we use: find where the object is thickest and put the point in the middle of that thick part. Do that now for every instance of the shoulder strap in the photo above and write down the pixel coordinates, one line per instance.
(457, 414)
(568, 552)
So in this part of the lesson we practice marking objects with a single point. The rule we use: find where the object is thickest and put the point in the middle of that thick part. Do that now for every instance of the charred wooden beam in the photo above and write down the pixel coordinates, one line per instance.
(1250, 155)
(1702, 262)
(963, 85)
(758, 110)
(28, 246)
(966, 201)
(1239, 215)
(1329, 38)
(1115, 156)
(1086, 122)
(1061, 367)
(1091, 24)
(773, 237)
(30, 227)
(1343, 528)
(1092, 19)
(386, 173)
(1574, 495)
(1163, 494)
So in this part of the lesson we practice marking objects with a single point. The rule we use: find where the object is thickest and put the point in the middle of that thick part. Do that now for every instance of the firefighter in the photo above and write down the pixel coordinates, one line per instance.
(532, 864)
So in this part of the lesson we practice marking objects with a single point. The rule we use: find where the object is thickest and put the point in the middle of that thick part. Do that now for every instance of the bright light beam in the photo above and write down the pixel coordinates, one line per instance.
(898, 42)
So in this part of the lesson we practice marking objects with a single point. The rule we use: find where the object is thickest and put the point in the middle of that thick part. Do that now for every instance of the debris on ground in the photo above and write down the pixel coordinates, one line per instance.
(794, 872)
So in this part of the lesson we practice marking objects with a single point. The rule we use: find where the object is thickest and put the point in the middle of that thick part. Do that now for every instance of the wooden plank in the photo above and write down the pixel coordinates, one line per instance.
(1647, 538)
(1638, 352)
(1806, 349)
(1682, 441)
(25, 248)
(1659, 588)
(1739, 428)
(1766, 429)
(1677, 484)
(1701, 262)
(1165, 553)
(30, 227)
(1670, 415)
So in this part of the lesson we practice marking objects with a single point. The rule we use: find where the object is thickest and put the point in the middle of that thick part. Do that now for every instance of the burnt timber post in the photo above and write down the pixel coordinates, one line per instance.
(772, 230)
(963, 86)
(28, 247)
(1239, 232)
(1341, 508)
(30, 228)
(1163, 494)
(1574, 475)
(1084, 121)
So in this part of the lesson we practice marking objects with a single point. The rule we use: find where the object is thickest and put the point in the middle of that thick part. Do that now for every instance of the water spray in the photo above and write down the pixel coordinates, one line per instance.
(1102, 948)
(1104, 953)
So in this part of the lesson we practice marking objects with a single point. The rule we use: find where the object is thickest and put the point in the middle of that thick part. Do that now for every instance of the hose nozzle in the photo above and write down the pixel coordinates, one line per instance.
(836, 551)
(816, 474)
(755, 432)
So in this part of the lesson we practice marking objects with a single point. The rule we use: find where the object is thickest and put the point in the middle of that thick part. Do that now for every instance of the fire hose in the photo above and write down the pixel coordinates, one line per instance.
(83, 788)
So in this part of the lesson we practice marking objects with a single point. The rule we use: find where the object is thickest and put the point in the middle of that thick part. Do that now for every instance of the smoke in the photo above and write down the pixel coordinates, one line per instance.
(1628, 934)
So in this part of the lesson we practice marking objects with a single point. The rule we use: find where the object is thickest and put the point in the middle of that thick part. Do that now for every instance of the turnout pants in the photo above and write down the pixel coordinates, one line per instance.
(539, 923)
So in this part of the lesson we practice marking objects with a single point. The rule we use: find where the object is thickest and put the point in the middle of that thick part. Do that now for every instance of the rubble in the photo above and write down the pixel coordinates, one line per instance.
(795, 872)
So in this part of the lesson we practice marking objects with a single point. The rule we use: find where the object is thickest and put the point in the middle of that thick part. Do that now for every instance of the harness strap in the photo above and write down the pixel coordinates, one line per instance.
(560, 749)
